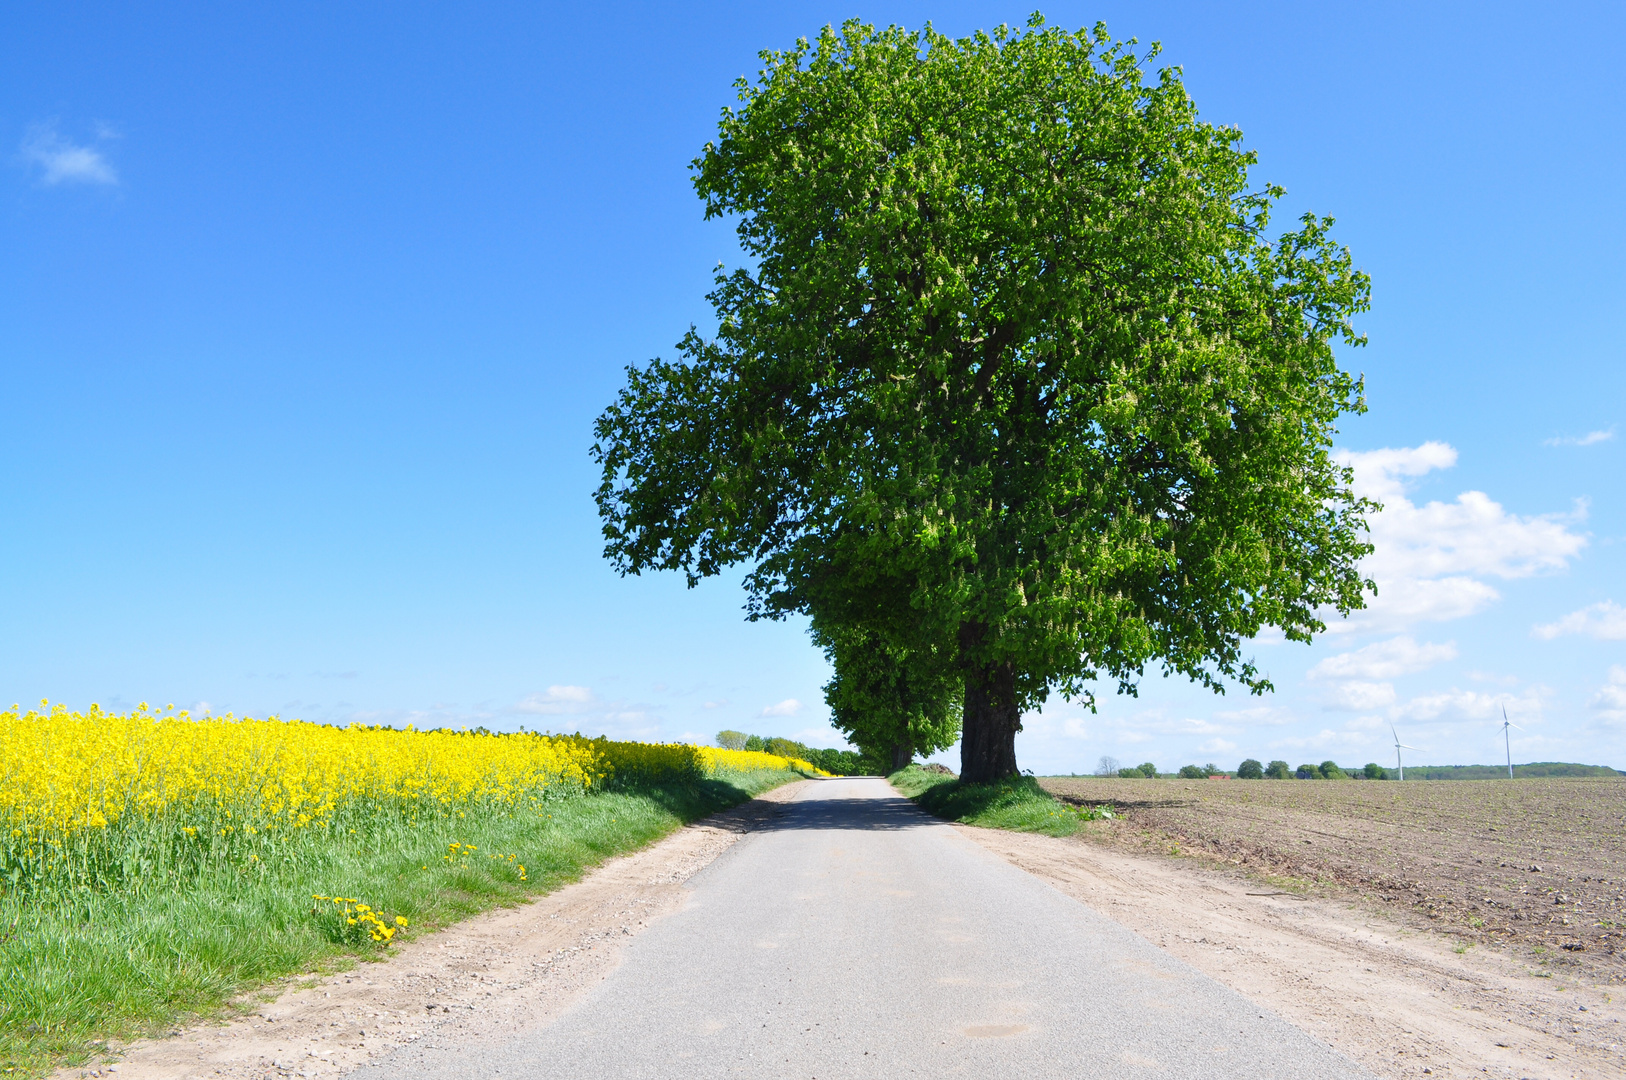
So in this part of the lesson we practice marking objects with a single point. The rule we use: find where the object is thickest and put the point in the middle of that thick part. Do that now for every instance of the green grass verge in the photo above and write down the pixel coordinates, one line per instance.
(1019, 804)
(81, 968)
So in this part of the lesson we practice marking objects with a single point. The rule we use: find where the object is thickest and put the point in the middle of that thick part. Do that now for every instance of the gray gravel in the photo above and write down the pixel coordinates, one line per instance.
(854, 936)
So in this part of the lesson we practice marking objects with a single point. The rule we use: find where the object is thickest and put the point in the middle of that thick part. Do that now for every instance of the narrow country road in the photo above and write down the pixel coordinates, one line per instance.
(856, 937)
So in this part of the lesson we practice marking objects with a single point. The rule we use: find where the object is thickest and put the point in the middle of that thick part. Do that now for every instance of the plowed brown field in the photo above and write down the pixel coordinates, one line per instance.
(1538, 865)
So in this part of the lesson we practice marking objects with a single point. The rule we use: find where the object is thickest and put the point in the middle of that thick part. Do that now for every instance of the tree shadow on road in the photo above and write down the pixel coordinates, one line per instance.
(863, 815)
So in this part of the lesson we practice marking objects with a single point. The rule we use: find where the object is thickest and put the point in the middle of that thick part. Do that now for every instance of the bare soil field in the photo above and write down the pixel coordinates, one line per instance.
(1537, 867)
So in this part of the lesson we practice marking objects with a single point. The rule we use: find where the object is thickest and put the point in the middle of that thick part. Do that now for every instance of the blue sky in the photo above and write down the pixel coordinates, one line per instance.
(306, 312)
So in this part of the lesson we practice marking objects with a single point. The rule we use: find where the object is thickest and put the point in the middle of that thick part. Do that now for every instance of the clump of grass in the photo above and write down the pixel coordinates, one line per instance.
(82, 965)
(1019, 804)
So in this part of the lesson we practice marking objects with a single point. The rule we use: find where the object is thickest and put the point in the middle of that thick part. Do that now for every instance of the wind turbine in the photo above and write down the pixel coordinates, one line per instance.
(1399, 746)
(1507, 740)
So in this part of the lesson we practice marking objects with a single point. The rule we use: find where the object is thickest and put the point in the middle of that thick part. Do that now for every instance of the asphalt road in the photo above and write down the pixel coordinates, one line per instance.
(854, 936)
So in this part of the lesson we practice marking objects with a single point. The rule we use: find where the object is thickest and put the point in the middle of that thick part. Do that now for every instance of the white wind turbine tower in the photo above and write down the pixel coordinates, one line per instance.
(1399, 746)
(1507, 741)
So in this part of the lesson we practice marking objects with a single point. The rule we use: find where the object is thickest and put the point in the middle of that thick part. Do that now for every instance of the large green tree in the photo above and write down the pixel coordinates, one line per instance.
(1014, 353)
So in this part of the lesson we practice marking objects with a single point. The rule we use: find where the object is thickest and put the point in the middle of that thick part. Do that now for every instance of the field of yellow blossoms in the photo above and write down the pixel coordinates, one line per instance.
(106, 801)
(153, 865)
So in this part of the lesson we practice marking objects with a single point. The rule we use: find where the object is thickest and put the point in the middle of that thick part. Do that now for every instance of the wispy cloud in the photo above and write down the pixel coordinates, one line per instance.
(1273, 715)
(1470, 706)
(1384, 660)
(788, 707)
(1591, 438)
(1356, 696)
(1610, 700)
(585, 710)
(60, 161)
(559, 700)
(1605, 621)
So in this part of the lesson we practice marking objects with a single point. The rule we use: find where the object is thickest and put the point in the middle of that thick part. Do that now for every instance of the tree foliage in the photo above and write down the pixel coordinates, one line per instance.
(891, 700)
(1013, 372)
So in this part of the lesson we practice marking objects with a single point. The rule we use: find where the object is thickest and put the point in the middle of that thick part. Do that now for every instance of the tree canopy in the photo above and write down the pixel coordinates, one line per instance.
(1013, 373)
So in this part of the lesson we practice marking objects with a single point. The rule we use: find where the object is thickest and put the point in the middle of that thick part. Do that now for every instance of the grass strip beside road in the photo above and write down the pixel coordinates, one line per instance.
(79, 969)
(1019, 803)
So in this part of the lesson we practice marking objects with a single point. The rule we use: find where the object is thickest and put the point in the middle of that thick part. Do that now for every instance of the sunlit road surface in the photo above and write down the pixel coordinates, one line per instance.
(856, 937)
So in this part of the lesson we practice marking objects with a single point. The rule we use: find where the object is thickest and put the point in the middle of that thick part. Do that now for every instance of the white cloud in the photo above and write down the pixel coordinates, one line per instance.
(558, 700)
(1360, 696)
(1385, 660)
(1469, 705)
(1217, 746)
(1605, 621)
(1591, 438)
(788, 707)
(822, 738)
(1610, 700)
(589, 713)
(1327, 741)
(714, 704)
(1429, 561)
(63, 162)
(1189, 726)
(1274, 715)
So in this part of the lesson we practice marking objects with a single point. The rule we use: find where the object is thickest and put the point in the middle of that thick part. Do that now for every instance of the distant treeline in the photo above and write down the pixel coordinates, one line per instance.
(1253, 769)
(1491, 772)
(839, 762)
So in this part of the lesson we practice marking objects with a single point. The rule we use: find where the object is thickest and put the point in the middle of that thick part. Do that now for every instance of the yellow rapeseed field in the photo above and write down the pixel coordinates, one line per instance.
(96, 799)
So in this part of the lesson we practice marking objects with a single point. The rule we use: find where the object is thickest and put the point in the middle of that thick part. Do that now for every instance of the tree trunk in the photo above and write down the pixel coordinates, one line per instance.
(988, 732)
(902, 755)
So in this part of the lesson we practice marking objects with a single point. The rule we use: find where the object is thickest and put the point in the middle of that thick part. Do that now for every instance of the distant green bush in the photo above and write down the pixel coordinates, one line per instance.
(1148, 770)
(1279, 770)
(1307, 772)
(1018, 803)
(1192, 772)
(1329, 770)
(1250, 769)
(1374, 771)
(1131, 774)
